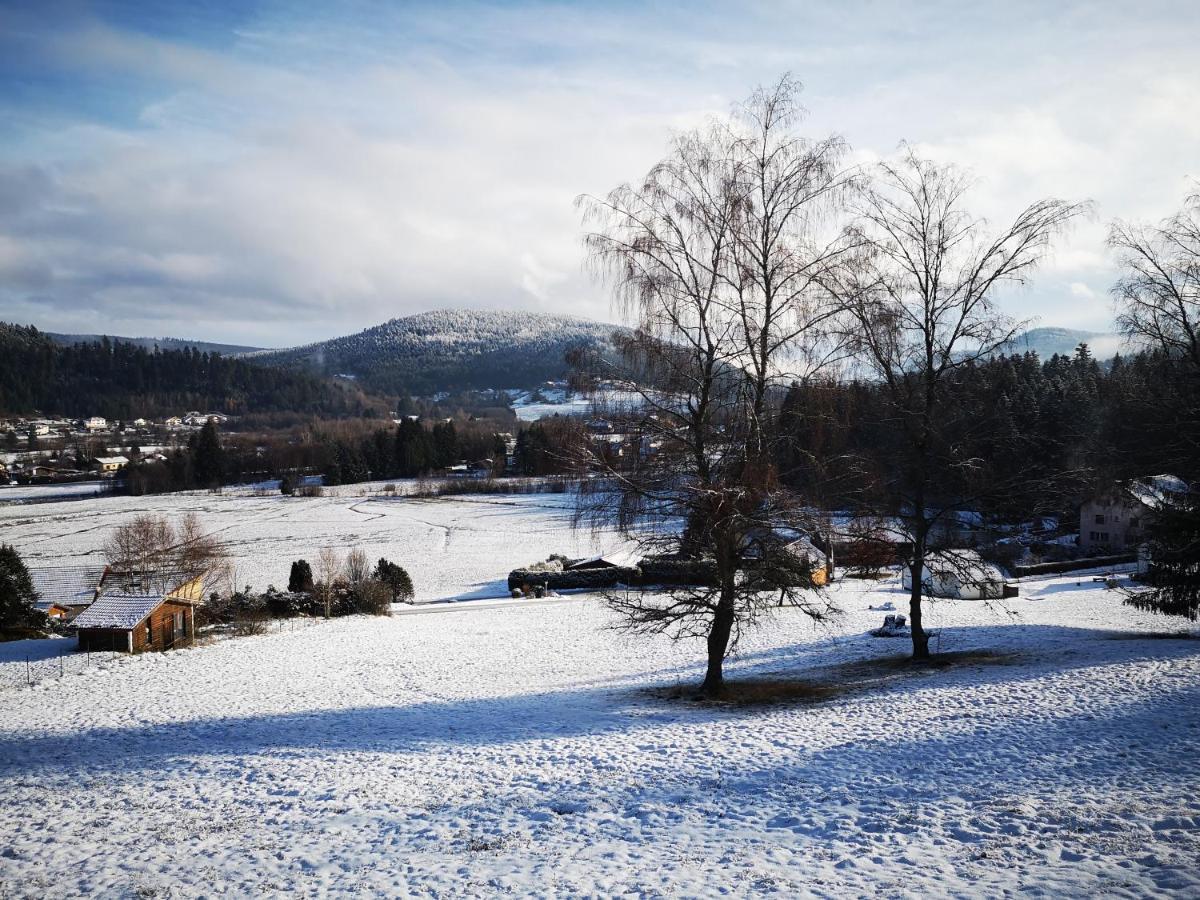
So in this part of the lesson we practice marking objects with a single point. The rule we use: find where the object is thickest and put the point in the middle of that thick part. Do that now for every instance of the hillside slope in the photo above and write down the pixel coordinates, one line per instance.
(449, 349)
(163, 343)
(1046, 342)
(123, 381)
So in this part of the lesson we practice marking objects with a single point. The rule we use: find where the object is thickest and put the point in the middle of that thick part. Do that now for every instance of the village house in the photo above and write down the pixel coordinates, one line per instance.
(958, 575)
(109, 465)
(196, 419)
(95, 423)
(1115, 520)
(173, 422)
(68, 589)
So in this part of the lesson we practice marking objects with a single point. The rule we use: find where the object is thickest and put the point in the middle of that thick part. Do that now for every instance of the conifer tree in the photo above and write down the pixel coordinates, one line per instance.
(208, 457)
(18, 598)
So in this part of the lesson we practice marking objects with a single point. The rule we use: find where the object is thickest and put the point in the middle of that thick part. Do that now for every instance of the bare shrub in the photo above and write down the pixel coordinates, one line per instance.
(356, 568)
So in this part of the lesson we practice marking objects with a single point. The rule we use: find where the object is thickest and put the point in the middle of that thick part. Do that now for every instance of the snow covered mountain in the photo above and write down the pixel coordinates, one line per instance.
(450, 349)
(1045, 342)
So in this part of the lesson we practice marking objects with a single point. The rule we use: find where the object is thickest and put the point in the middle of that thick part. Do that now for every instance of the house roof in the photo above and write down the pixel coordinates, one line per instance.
(121, 611)
(627, 555)
(112, 460)
(967, 565)
(145, 584)
(1153, 490)
(69, 585)
(804, 547)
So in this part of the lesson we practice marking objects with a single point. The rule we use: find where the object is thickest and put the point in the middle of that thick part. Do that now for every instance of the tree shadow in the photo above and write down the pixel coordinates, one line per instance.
(613, 706)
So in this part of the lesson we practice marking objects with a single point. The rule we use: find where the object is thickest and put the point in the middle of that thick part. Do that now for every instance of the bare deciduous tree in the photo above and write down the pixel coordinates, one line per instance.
(1158, 302)
(356, 568)
(723, 257)
(921, 307)
(1158, 296)
(164, 556)
(329, 567)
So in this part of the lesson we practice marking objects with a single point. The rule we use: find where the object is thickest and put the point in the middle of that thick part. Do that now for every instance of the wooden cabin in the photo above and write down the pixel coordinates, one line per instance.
(135, 623)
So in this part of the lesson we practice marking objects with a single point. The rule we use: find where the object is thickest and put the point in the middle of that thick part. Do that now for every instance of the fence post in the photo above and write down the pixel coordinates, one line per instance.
(61, 665)
(28, 671)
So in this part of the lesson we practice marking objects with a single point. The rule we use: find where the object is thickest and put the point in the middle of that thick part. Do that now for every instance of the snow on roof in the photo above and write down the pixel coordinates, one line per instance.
(144, 584)
(1153, 490)
(805, 548)
(628, 555)
(69, 585)
(112, 460)
(967, 565)
(118, 611)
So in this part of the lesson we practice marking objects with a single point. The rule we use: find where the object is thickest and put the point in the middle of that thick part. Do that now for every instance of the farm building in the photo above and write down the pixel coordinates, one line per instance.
(134, 623)
(65, 591)
(626, 556)
(959, 575)
(172, 585)
(809, 554)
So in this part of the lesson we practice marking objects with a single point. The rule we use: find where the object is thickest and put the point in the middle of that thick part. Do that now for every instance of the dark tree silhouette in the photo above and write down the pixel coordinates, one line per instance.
(922, 310)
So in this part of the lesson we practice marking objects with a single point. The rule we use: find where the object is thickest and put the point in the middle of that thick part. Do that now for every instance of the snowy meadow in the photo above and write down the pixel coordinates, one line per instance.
(490, 748)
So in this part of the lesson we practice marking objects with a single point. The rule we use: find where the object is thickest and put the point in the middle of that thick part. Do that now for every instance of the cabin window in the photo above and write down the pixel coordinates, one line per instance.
(1133, 521)
(149, 633)
(1099, 519)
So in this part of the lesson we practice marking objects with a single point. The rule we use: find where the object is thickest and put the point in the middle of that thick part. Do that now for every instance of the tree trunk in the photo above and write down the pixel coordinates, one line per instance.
(920, 640)
(718, 643)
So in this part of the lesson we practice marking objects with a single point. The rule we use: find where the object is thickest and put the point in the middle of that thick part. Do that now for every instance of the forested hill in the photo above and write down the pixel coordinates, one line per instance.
(122, 381)
(159, 343)
(450, 349)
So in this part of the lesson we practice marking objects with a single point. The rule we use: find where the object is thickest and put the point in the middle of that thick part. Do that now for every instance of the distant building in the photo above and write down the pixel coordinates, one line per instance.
(1115, 520)
(197, 419)
(69, 589)
(173, 422)
(95, 423)
(812, 557)
(959, 575)
(108, 465)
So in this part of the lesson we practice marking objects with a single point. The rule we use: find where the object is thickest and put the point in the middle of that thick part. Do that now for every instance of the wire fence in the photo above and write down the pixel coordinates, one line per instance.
(28, 669)
(31, 670)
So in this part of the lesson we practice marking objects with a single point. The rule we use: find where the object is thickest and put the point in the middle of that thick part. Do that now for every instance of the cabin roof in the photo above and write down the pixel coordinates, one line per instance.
(120, 611)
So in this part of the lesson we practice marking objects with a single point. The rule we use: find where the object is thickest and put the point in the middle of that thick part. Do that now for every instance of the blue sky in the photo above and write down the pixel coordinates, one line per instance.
(273, 173)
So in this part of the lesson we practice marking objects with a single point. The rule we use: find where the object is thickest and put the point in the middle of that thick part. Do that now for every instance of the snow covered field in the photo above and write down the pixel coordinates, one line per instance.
(462, 547)
(500, 748)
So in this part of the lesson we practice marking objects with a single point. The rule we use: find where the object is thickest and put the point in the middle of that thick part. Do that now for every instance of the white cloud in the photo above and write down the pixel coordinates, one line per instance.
(321, 177)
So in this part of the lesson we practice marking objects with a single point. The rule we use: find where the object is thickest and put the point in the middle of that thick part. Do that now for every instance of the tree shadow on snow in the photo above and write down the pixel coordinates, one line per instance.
(610, 708)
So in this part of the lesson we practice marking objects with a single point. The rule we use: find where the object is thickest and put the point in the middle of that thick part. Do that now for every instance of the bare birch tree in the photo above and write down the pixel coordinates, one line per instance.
(921, 309)
(718, 257)
(164, 556)
(1158, 294)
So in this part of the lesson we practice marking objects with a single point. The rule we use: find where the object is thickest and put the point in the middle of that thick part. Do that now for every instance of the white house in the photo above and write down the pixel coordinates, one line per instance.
(959, 575)
(95, 423)
(107, 465)
(1116, 520)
